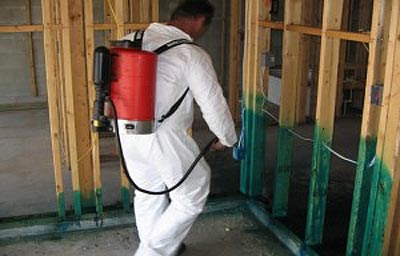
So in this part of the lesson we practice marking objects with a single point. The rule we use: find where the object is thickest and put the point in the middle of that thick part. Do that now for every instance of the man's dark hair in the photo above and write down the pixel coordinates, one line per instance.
(193, 9)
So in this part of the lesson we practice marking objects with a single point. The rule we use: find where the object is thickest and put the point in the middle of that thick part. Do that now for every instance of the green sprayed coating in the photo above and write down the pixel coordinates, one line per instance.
(282, 172)
(88, 200)
(381, 188)
(99, 200)
(125, 198)
(253, 168)
(61, 205)
(77, 204)
(318, 186)
(361, 195)
(245, 165)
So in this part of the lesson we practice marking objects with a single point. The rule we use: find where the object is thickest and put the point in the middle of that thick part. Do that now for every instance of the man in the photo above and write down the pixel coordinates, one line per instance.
(159, 160)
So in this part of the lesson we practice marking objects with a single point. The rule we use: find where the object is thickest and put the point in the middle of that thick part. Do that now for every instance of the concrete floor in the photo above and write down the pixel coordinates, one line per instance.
(228, 233)
(27, 183)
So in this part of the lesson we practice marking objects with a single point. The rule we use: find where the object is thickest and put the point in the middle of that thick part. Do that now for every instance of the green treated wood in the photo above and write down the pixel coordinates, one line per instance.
(361, 196)
(99, 201)
(381, 188)
(318, 187)
(282, 172)
(126, 199)
(253, 165)
(245, 165)
(77, 204)
(257, 150)
(61, 205)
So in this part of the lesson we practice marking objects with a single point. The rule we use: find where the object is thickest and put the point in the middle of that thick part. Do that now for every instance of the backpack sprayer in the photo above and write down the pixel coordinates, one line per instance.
(125, 77)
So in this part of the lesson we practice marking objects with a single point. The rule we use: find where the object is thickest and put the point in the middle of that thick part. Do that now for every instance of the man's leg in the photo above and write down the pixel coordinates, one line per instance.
(187, 202)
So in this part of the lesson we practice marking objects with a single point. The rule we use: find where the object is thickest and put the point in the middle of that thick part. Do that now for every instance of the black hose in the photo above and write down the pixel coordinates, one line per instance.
(125, 168)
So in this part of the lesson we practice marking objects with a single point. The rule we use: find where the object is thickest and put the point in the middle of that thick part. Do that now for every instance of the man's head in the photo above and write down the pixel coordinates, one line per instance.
(193, 16)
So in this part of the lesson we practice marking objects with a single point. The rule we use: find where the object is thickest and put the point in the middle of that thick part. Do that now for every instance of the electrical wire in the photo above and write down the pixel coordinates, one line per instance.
(340, 156)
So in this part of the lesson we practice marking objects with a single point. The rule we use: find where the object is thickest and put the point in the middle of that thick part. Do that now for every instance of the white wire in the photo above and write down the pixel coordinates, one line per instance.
(311, 140)
(339, 155)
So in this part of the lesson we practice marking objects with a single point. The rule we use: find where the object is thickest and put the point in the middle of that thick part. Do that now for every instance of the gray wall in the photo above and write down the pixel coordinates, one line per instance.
(15, 77)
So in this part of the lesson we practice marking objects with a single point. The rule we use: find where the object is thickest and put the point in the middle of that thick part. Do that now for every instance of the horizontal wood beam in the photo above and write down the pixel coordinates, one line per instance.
(307, 30)
(349, 36)
(21, 28)
(39, 28)
(271, 24)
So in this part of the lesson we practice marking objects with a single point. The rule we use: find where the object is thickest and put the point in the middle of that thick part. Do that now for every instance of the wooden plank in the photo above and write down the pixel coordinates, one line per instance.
(327, 86)
(307, 30)
(252, 172)
(382, 203)
(90, 46)
(50, 54)
(234, 61)
(391, 244)
(155, 10)
(77, 104)
(291, 82)
(342, 59)
(271, 24)
(61, 89)
(349, 36)
(369, 127)
(34, 86)
(21, 28)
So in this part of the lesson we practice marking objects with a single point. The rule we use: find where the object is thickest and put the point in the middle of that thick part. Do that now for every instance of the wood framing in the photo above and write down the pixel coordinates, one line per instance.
(256, 41)
(327, 86)
(49, 38)
(77, 104)
(369, 127)
(292, 80)
(34, 86)
(90, 46)
(383, 200)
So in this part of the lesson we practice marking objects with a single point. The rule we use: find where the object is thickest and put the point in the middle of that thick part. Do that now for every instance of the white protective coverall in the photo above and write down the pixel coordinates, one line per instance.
(159, 160)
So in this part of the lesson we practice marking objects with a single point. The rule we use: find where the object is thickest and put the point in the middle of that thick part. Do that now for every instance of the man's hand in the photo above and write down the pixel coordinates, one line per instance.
(218, 146)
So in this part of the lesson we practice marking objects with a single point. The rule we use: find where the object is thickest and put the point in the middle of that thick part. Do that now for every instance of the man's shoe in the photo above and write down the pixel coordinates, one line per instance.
(182, 249)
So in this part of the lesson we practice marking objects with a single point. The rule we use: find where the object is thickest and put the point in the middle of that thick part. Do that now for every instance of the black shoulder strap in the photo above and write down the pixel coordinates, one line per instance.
(172, 44)
(161, 49)
(138, 42)
(174, 107)
(138, 39)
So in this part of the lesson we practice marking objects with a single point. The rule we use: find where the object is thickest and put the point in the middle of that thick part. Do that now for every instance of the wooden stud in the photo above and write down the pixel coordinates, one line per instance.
(256, 41)
(90, 47)
(50, 53)
(234, 59)
(382, 202)
(34, 86)
(327, 86)
(77, 104)
(61, 88)
(392, 242)
(342, 59)
(293, 46)
(369, 127)
(155, 10)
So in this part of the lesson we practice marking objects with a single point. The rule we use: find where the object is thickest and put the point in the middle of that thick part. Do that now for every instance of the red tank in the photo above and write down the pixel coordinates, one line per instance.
(133, 87)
